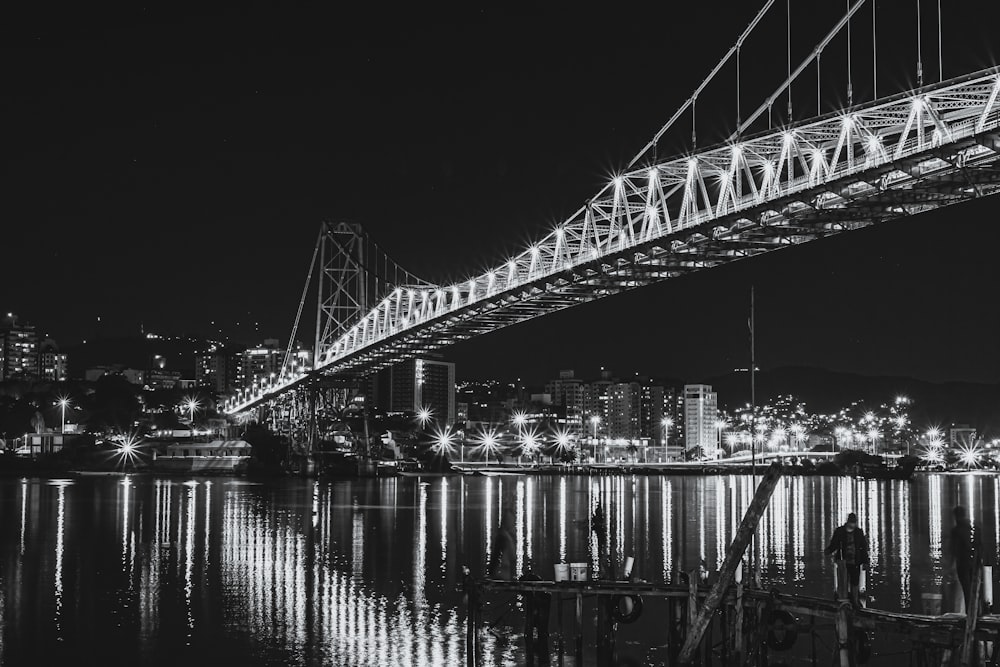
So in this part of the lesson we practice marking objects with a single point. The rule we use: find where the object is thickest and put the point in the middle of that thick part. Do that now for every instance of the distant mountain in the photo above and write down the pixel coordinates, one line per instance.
(828, 391)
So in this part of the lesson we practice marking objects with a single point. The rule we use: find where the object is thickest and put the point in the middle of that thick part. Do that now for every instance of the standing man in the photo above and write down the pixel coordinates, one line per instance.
(965, 550)
(849, 547)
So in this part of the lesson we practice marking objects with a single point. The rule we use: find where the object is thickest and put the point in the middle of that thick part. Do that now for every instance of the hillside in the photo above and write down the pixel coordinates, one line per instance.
(827, 391)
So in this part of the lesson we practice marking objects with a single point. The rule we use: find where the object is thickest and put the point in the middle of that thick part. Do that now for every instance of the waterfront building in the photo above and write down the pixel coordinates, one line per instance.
(701, 412)
(961, 436)
(417, 384)
(18, 350)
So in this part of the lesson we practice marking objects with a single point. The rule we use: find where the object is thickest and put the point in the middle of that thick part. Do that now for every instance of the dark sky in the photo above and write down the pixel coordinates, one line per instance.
(171, 169)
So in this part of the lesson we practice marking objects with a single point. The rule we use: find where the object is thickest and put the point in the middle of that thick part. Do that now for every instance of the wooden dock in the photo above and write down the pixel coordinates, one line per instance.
(724, 621)
(742, 630)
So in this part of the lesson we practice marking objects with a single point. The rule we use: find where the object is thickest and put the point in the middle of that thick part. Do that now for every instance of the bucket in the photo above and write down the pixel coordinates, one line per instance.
(562, 572)
(932, 604)
(579, 571)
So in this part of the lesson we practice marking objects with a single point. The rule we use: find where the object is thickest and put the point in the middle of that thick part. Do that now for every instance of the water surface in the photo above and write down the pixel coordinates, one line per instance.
(169, 571)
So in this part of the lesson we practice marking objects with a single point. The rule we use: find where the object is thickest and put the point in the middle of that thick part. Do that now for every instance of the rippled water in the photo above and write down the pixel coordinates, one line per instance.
(166, 571)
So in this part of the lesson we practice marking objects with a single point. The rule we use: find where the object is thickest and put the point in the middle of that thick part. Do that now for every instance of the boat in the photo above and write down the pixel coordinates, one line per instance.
(217, 456)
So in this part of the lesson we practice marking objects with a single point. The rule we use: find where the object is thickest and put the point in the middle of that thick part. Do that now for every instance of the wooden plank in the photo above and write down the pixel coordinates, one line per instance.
(734, 556)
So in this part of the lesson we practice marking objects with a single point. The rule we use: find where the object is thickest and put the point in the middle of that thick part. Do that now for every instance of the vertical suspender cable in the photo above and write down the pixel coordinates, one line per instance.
(874, 55)
(738, 120)
(788, 50)
(920, 58)
(694, 129)
(819, 60)
(850, 83)
(940, 57)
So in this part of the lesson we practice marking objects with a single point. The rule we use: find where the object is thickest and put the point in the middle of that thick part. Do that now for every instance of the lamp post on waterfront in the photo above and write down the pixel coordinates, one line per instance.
(594, 421)
(424, 416)
(191, 404)
(63, 403)
(666, 422)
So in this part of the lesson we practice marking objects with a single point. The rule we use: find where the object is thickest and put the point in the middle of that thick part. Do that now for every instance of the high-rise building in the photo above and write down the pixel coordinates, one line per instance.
(18, 350)
(417, 384)
(656, 404)
(701, 412)
(219, 369)
(262, 362)
(52, 364)
(621, 410)
(568, 392)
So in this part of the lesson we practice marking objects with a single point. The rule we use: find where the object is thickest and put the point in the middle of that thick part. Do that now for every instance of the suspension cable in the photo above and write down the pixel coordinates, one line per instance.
(302, 301)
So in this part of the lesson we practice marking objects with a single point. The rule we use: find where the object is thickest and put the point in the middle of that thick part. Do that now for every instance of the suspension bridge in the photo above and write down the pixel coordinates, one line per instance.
(865, 164)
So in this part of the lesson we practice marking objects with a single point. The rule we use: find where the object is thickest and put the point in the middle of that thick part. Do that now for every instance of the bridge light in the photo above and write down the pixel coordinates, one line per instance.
(617, 180)
(654, 173)
(559, 232)
(873, 143)
(786, 137)
(534, 250)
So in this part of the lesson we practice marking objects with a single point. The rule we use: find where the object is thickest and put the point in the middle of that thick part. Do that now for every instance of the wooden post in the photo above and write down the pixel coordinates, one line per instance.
(471, 621)
(562, 634)
(738, 630)
(692, 607)
(971, 616)
(727, 636)
(529, 629)
(734, 556)
(845, 655)
(605, 638)
(579, 628)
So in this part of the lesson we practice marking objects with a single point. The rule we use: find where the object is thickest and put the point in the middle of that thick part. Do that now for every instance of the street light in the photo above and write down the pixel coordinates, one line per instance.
(63, 403)
(719, 426)
(191, 404)
(666, 422)
(424, 415)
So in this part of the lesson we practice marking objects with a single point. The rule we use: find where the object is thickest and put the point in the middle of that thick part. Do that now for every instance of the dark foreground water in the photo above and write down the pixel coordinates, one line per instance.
(166, 571)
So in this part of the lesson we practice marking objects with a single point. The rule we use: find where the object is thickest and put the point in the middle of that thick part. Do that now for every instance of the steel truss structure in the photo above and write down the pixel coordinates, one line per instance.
(898, 156)
(353, 273)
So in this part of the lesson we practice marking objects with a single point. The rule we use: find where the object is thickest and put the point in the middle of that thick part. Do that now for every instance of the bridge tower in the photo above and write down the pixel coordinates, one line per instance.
(349, 273)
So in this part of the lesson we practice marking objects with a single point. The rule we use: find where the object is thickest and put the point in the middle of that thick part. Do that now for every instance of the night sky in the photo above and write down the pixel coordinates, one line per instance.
(169, 170)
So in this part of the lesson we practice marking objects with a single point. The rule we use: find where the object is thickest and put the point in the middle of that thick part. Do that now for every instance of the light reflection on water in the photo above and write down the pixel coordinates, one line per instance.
(366, 572)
